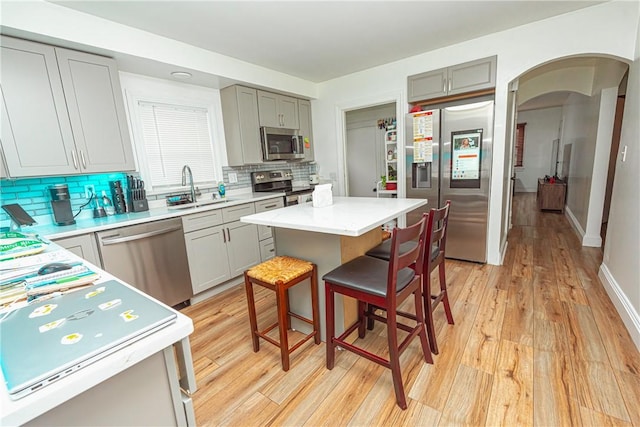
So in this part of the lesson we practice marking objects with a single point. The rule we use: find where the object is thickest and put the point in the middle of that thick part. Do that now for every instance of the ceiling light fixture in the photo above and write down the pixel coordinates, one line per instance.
(183, 75)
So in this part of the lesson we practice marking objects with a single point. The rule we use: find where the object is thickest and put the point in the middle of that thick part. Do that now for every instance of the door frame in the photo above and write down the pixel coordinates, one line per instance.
(341, 130)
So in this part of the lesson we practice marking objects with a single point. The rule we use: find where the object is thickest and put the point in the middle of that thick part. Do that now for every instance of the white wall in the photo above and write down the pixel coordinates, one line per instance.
(542, 128)
(619, 271)
(580, 116)
(608, 29)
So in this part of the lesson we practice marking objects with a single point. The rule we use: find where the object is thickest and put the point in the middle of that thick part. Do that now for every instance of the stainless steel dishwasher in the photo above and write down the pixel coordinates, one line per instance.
(151, 257)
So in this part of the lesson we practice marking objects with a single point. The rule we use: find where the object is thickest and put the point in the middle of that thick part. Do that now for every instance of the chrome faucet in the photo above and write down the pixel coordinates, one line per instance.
(186, 169)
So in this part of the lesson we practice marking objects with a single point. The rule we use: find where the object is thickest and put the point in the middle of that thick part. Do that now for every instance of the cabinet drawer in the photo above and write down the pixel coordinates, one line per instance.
(233, 213)
(201, 220)
(267, 250)
(264, 231)
(267, 205)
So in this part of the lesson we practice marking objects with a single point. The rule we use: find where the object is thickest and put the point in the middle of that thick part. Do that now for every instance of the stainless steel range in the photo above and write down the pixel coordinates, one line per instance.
(281, 181)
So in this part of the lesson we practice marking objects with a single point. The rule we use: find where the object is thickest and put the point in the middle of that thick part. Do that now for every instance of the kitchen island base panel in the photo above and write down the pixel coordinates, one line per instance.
(327, 251)
(137, 396)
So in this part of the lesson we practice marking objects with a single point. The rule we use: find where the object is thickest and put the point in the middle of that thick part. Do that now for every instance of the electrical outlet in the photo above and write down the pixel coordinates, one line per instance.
(89, 189)
(233, 177)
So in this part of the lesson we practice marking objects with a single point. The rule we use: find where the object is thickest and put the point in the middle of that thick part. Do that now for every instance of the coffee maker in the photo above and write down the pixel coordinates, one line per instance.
(61, 204)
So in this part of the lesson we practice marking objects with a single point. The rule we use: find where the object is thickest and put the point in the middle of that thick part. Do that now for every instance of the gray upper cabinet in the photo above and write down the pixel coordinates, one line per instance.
(96, 109)
(429, 85)
(241, 125)
(36, 131)
(304, 108)
(62, 112)
(277, 110)
(462, 78)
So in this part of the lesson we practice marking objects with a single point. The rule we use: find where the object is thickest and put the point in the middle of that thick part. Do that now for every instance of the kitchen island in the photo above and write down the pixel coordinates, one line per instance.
(330, 236)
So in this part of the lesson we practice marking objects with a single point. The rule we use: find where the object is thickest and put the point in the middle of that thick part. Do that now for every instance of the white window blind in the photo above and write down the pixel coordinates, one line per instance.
(175, 136)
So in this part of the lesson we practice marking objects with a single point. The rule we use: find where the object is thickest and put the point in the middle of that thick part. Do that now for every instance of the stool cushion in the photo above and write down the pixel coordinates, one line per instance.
(281, 269)
(368, 274)
(383, 250)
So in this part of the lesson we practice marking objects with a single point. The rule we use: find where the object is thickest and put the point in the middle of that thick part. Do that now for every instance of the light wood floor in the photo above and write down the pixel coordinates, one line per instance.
(536, 342)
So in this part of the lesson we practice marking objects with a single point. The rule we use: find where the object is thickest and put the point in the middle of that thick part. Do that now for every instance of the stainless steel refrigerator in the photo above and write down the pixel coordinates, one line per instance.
(448, 157)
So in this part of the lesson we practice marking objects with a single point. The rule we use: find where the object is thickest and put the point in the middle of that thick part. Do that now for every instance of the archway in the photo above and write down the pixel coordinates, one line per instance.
(569, 106)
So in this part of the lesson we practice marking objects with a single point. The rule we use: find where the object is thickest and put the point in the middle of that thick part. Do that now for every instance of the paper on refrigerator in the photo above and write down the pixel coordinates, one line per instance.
(423, 137)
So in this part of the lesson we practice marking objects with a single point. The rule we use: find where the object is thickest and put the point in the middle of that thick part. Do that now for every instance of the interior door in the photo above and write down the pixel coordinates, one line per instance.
(363, 161)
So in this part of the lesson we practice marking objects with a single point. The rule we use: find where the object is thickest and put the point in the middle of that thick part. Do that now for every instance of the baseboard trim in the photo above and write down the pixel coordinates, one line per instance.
(627, 312)
(592, 241)
(503, 252)
(217, 289)
(574, 222)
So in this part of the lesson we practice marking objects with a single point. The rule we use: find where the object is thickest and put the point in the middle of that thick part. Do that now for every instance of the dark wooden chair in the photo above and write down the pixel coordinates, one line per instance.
(436, 240)
(385, 284)
(279, 274)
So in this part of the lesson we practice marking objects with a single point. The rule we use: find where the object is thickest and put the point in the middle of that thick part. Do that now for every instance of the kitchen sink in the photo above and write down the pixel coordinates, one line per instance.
(198, 204)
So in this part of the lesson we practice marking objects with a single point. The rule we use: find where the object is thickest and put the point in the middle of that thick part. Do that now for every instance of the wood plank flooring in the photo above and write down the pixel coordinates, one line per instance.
(536, 342)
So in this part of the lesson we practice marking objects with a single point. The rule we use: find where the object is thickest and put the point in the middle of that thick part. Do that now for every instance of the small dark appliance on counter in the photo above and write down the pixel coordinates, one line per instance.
(61, 204)
(136, 195)
(117, 196)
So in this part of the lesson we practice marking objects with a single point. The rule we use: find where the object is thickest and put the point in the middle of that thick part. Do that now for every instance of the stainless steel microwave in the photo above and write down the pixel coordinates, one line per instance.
(281, 144)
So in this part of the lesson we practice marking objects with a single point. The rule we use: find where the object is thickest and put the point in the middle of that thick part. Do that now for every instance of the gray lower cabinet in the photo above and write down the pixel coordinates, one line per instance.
(278, 111)
(462, 78)
(62, 112)
(241, 125)
(304, 109)
(84, 246)
(219, 246)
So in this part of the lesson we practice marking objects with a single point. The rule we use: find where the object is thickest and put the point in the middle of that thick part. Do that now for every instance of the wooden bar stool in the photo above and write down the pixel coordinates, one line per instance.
(279, 274)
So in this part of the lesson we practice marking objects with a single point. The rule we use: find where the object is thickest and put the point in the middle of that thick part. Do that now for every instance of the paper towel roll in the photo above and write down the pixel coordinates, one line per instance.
(322, 196)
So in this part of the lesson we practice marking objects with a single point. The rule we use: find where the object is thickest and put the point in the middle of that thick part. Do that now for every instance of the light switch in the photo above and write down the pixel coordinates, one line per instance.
(624, 153)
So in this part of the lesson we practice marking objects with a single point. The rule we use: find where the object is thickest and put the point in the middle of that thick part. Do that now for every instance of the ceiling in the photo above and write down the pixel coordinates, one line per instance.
(322, 40)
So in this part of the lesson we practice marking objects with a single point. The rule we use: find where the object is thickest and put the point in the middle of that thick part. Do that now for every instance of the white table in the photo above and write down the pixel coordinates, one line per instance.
(330, 236)
(138, 384)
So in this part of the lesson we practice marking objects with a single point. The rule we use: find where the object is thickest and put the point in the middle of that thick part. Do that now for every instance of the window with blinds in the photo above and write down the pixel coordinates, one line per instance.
(519, 145)
(174, 136)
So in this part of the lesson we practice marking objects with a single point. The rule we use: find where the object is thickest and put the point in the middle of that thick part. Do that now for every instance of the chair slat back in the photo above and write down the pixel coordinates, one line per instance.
(398, 260)
(436, 234)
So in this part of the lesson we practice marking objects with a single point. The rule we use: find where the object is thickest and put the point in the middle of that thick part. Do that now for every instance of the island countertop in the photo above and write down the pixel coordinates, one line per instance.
(347, 216)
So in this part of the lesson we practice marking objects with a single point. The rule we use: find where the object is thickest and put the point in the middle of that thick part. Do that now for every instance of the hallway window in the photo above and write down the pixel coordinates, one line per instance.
(519, 144)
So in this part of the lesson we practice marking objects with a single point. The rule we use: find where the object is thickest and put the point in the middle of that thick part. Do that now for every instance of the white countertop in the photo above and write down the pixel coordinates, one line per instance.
(52, 231)
(347, 216)
(17, 412)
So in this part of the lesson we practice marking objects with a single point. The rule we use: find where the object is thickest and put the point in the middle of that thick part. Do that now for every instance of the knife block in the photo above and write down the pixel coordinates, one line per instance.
(135, 203)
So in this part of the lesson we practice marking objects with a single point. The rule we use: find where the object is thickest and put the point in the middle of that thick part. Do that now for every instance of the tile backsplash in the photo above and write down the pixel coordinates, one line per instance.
(33, 195)
(301, 172)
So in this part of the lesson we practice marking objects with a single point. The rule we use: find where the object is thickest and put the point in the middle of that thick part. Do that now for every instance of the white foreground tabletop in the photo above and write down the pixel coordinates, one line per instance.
(347, 216)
